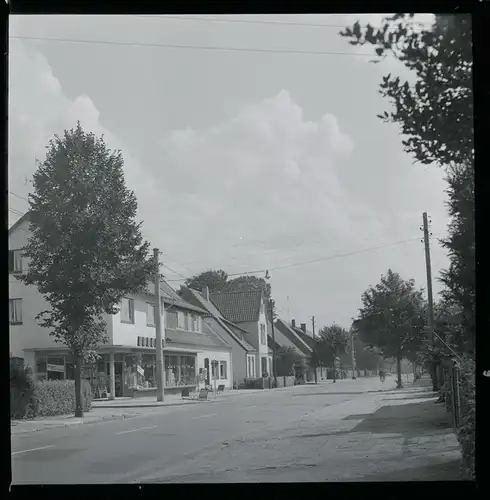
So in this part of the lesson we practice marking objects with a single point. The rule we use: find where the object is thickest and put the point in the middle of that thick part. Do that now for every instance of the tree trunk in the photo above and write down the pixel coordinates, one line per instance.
(334, 374)
(78, 386)
(399, 384)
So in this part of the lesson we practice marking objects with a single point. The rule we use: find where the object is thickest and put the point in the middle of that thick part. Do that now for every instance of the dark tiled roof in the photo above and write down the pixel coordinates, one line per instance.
(292, 335)
(198, 340)
(170, 296)
(238, 306)
(305, 337)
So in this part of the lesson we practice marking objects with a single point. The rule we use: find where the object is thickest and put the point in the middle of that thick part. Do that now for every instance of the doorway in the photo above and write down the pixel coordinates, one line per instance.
(118, 372)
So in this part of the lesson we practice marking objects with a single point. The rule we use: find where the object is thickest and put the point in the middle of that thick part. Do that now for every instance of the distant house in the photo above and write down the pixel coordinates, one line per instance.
(128, 359)
(248, 310)
(286, 335)
(243, 354)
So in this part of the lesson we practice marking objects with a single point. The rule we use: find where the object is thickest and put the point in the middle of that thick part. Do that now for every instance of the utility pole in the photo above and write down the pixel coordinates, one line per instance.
(313, 329)
(274, 363)
(430, 301)
(158, 330)
(353, 353)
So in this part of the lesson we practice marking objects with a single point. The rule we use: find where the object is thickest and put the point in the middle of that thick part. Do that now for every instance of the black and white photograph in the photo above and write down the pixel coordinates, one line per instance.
(241, 248)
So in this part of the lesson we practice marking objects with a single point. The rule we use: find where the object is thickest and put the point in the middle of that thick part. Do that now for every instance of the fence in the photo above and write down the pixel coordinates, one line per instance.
(451, 394)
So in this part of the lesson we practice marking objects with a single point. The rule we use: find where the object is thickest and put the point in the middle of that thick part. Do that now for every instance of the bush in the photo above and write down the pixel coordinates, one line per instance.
(466, 431)
(22, 388)
(57, 397)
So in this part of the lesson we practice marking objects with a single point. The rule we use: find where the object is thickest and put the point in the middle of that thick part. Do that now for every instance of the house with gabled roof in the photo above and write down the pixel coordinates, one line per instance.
(127, 361)
(243, 354)
(249, 310)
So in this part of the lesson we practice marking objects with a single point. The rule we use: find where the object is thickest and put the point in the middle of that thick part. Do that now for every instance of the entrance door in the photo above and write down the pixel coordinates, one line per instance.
(206, 369)
(263, 365)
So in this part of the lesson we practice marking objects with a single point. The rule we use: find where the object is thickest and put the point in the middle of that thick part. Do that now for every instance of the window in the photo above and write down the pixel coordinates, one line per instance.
(198, 324)
(150, 316)
(127, 311)
(222, 370)
(180, 320)
(262, 334)
(15, 261)
(253, 367)
(15, 311)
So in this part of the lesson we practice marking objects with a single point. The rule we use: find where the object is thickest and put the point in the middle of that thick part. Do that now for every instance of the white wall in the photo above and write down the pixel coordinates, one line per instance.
(29, 334)
(127, 333)
(219, 356)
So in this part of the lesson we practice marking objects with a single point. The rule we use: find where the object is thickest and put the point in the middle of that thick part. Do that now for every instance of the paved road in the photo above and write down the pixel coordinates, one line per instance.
(303, 433)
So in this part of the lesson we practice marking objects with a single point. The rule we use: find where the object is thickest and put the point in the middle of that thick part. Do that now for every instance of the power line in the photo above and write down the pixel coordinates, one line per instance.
(250, 21)
(196, 47)
(323, 259)
(18, 196)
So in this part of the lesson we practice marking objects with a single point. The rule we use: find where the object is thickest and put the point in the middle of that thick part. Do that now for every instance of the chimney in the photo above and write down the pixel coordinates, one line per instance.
(303, 327)
(293, 323)
(205, 292)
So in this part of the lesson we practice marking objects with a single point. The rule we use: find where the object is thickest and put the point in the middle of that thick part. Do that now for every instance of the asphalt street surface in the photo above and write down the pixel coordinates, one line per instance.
(303, 433)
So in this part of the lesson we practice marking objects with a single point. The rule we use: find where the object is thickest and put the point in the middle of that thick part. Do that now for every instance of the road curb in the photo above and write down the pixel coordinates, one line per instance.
(151, 405)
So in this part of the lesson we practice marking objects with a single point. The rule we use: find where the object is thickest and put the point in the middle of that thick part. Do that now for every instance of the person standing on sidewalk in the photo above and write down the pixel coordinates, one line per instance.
(382, 375)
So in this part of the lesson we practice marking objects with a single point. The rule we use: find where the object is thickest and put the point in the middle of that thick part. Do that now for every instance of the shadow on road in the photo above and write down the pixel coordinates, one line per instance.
(410, 419)
(448, 471)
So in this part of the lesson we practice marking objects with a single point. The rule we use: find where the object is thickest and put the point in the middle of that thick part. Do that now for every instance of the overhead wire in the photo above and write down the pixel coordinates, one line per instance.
(324, 259)
(196, 47)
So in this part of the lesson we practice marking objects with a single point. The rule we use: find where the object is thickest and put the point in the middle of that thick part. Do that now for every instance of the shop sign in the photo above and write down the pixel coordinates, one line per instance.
(140, 370)
(56, 368)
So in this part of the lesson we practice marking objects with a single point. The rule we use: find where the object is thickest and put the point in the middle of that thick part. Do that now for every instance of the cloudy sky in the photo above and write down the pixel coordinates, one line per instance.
(267, 158)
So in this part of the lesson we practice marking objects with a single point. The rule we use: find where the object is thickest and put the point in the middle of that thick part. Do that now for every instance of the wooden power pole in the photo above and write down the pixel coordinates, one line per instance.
(430, 300)
(313, 330)
(274, 360)
(158, 330)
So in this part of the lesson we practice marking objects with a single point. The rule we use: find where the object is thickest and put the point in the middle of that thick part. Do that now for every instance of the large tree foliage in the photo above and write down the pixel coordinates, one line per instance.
(436, 117)
(288, 359)
(332, 342)
(392, 317)
(436, 112)
(216, 281)
(86, 251)
(459, 279)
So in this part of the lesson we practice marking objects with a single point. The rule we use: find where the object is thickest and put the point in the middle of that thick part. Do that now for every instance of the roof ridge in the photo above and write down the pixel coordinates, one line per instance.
(236, 291)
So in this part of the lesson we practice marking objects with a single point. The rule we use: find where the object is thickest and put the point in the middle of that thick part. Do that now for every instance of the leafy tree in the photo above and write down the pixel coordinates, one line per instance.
(436, 113)
(393, 317)
(86, 251)
(436, 117)
(459, 279)
(332, 342)
(288, 359)
(249, 283)
(215, 280)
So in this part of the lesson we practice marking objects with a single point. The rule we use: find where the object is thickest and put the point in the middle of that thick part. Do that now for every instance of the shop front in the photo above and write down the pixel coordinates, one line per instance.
(117, 374)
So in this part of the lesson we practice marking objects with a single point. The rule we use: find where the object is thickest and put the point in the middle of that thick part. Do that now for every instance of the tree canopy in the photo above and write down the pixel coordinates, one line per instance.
(215, 280)
(218, 281)
(393, 316)
(332, 341)
(85, 251)
(436, 115)
(436, 112)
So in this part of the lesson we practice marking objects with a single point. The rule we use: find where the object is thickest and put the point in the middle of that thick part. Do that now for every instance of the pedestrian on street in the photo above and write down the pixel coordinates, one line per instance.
(382, 375)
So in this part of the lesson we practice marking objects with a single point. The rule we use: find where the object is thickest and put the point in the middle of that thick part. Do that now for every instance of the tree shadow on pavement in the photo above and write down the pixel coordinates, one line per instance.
(448, 471)
(408, 420)
(422, 395)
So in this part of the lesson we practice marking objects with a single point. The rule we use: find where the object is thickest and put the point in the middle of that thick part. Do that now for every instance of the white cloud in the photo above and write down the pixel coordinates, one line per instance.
(263, 189)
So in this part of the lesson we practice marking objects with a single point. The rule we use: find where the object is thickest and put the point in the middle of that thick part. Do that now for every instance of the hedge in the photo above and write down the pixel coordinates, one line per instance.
(47, 398)
(57, 397)
(22, 387)
(466, 431)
